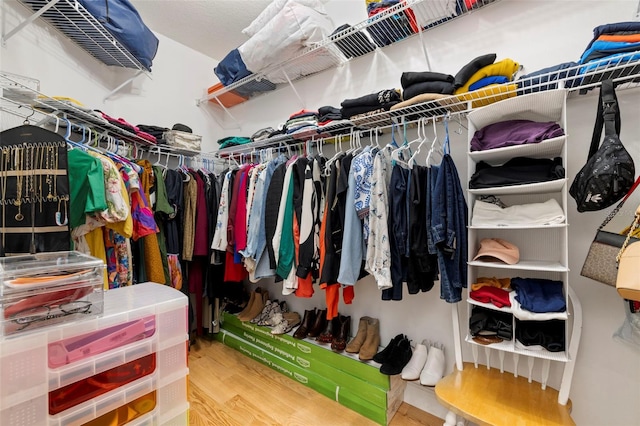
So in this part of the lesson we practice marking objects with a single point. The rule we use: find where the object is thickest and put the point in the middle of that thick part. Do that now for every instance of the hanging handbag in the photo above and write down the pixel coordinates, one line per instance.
(609, 171)
(600, 264)
(628, 279)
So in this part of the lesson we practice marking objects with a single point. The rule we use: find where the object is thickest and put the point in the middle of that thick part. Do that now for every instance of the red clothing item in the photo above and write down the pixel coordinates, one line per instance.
(305, 284)
(200, 243)
(233, 206)
(234, 272)
(488, 294)
(240, 220)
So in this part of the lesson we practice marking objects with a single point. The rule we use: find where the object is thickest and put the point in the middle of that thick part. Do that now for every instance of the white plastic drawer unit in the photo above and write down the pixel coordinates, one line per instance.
(144, 324)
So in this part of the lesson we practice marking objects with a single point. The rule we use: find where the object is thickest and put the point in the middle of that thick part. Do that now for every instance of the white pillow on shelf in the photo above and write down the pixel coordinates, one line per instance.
(273, 9)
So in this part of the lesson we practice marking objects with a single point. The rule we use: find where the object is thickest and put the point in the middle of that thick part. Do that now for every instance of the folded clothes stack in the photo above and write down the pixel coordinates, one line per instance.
(417, 83)
(490, 74)
(372, 103)
(302, 119)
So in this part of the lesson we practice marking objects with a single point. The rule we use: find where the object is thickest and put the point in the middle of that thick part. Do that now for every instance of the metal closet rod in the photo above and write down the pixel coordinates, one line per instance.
(282, 144)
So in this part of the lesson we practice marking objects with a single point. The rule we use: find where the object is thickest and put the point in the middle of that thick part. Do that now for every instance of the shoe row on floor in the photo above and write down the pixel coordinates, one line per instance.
(425, 362)
(270, 313)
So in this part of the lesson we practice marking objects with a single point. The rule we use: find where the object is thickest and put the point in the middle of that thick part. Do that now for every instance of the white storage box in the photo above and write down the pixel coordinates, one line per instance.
(183, 140)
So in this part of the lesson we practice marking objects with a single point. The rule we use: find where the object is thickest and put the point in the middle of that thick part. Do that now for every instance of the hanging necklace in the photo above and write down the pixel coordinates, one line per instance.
(49, 175)
(61, 199)
(40, 166)
(4, 171)
(55, 173)
(19, 154)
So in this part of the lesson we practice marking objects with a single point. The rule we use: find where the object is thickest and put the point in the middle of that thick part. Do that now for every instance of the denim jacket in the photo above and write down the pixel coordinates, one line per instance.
(448, 230)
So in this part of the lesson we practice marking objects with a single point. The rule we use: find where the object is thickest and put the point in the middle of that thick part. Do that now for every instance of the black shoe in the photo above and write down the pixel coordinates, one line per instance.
(383, 356)
(399, 358)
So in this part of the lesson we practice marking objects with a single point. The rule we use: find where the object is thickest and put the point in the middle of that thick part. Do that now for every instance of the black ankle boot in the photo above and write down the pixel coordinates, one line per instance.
(383, 356)
(399, 358)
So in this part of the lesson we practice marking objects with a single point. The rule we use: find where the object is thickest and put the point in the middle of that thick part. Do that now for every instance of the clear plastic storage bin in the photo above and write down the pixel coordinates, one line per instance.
(43, 289)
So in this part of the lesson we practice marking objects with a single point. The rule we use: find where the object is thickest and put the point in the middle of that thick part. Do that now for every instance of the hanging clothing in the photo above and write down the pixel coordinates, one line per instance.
(189, 219)
(398, 232)
(448, 229)
(423, 267)
(86, 190)
(152, 258)
(378, 256)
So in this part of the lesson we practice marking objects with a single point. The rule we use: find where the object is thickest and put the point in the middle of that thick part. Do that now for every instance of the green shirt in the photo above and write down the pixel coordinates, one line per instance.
(86, 186)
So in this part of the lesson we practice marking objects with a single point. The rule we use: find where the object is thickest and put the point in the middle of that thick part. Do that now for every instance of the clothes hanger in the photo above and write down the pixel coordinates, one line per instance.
(422, 124)
(26, 121)
(397, 155)
(158, 163)
(445, 145)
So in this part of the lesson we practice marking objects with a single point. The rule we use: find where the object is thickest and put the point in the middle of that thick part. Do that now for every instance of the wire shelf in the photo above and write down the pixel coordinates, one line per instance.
(397, 23)
(17, 98)
(75, 22)
(575, 80)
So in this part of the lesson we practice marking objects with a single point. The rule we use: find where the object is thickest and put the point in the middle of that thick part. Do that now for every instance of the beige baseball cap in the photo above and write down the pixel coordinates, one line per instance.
(499, 249)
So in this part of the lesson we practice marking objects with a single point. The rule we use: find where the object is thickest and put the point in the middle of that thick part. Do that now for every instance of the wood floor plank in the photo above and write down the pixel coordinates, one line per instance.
(230, 389)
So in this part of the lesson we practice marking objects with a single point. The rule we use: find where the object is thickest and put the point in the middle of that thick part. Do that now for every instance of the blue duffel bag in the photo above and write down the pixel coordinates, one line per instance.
(122, 20)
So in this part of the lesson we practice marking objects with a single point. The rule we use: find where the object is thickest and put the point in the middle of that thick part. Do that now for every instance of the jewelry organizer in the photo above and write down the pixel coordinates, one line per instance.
(35, 191)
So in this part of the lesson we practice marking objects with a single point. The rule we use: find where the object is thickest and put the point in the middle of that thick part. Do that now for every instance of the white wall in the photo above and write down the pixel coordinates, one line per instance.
(535, 33)
(179, 76)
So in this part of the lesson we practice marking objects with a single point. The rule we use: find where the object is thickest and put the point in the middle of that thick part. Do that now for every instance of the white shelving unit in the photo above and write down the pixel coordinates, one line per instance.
(543, 249)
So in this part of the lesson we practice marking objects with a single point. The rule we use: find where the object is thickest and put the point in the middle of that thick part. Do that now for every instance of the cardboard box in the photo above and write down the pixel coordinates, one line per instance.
(308, 353)
(352, 394)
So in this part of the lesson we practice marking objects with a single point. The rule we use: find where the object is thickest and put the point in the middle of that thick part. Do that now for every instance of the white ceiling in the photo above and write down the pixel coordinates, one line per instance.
(212, 27)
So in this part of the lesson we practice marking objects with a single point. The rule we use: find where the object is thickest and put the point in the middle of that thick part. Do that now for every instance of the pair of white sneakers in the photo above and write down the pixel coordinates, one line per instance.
(427, 364)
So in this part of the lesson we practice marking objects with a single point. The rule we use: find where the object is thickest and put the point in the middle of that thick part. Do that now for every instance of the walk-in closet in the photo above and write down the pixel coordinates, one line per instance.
(343, 212)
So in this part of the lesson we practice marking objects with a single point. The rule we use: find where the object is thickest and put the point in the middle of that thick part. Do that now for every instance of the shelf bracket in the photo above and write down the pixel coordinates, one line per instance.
(294, 88)
(424, 48)
(127, 81)
(27, 21)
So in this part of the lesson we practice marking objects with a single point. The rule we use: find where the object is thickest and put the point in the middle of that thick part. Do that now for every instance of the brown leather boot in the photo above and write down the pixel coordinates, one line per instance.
(356, 343)
(307, 321)
(329, 331)
(262, 296)
(242, 314)
(341, 336)
(319, 324)
(372, 341)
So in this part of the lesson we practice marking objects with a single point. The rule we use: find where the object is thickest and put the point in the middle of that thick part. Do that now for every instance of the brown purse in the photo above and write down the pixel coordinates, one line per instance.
(628, 279)
(600, 263)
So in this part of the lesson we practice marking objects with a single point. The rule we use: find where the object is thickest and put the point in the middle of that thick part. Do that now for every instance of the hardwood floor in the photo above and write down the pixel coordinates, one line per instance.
(229, 389)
